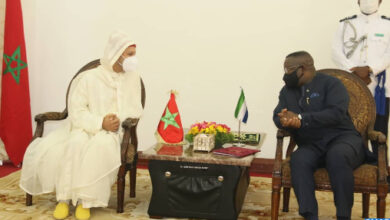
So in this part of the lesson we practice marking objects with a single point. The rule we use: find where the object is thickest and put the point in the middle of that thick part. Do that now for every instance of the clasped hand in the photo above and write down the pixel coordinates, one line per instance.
(289, 119)
(111, 123)
(363, 73)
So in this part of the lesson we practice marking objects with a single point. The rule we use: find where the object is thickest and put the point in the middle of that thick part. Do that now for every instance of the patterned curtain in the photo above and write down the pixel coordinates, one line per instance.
(3, 153)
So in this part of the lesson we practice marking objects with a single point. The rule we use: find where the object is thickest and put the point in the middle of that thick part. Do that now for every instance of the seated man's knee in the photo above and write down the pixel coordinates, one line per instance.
(337, 158)
(301, 160)
(78, 137)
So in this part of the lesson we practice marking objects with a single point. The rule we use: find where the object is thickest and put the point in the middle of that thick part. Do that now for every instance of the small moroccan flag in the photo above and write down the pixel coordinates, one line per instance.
(170, 129)
(15, 118)
(241, 112)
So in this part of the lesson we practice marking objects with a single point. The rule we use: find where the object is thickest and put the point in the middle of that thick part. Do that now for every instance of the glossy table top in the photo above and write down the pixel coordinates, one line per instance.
(185, 153)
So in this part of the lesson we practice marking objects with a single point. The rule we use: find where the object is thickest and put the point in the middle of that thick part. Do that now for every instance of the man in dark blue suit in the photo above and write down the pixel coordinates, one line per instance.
(314, 108)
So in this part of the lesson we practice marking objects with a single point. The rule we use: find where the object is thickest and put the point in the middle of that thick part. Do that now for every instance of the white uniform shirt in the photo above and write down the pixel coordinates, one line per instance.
(374, 51)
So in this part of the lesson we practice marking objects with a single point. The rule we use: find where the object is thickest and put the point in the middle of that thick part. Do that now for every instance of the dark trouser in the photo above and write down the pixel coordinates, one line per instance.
(340, 160)
(381, 124)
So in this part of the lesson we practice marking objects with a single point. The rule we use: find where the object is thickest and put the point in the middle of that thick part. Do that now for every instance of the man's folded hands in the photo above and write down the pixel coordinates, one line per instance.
(289, 119)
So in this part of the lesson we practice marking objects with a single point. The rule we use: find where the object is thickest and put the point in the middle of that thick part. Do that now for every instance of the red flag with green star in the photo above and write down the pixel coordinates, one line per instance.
(170, 128)
(15, 117)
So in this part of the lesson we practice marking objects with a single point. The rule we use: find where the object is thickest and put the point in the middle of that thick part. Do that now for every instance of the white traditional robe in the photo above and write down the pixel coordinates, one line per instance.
(80, 160)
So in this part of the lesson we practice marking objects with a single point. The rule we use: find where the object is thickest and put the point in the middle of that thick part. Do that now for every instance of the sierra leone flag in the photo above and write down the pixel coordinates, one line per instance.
(241, 112)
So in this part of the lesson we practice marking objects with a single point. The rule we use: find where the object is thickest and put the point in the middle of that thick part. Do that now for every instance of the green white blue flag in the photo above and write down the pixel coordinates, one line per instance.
(241, 112)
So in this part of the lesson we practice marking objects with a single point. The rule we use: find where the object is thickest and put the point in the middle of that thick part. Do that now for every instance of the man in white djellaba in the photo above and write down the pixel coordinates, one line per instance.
(80, 160)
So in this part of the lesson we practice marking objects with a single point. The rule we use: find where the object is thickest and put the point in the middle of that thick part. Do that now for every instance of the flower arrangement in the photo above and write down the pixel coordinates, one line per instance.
(221, 132)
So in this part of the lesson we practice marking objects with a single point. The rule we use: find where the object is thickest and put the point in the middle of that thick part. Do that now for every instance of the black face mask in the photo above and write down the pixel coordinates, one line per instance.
(292, 79)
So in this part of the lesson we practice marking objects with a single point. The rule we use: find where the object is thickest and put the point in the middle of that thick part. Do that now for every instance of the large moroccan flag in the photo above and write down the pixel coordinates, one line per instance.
(170, 129)
(15, 118)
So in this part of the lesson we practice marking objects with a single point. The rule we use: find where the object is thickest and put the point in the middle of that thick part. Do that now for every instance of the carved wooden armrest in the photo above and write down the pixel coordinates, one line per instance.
(382, 167)
(51, 116)
(377, 136)
(129, 142)
(282, 133)
(48, 116)
(130, 122)
(279, 152)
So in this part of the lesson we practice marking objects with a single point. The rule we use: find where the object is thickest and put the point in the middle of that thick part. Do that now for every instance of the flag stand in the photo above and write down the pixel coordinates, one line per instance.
(241, 113)
(239, 144)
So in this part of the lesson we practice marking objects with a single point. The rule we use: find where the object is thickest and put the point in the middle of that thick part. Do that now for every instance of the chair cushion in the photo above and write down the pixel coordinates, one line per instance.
(365, 174)
(130, 154)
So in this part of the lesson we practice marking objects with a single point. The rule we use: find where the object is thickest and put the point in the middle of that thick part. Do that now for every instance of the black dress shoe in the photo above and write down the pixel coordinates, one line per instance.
(310, 217)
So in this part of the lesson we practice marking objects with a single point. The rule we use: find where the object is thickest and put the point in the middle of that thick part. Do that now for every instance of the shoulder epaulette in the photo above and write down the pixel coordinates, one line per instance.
(384, 17)
(348, 18)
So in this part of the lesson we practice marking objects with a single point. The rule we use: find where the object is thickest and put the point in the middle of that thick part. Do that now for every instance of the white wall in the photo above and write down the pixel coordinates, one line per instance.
(204, 49)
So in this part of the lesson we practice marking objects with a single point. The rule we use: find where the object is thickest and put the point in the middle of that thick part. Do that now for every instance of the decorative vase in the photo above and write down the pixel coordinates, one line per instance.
(204, 142)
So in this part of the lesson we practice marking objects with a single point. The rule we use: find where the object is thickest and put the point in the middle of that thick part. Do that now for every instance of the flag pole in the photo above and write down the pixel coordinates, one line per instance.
(239, 128)
(239, 132)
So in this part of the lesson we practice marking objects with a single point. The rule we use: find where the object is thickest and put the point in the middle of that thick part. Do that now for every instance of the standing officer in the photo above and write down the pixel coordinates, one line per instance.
(362, 46)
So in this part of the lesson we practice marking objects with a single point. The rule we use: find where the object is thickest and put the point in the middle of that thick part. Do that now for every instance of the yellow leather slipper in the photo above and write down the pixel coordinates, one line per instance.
(61, 211)
(82, 213)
